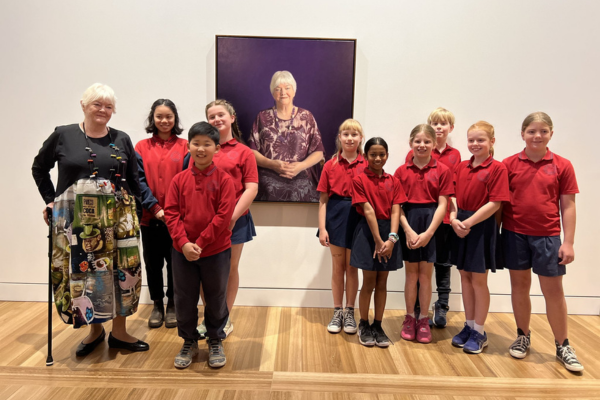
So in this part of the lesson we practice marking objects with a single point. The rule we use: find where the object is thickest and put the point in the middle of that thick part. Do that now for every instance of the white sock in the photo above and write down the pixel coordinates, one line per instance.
(412, 315)
(422, 316)
(471, 323)
(479, 328)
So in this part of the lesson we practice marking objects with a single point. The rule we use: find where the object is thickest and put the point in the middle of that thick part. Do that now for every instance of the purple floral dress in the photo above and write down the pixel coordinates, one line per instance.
(293, 141)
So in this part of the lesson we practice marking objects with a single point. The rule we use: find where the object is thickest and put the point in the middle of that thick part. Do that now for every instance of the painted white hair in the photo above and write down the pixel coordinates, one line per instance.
(99, 91)
(280, 77)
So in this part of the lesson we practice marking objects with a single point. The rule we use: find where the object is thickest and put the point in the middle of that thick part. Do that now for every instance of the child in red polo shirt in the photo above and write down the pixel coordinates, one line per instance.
(337, 220)
(442, 121)
(239, 162)
(481, 185)
(378, 196)
(428, 184)
(542, 188)
(198, 211)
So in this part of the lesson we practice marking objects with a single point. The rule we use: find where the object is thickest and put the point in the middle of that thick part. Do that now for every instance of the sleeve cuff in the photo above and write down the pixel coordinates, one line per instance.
(155, 208)
(182, 241)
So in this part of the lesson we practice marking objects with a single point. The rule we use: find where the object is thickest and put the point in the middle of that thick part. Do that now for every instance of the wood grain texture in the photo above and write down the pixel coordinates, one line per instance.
(286, 353)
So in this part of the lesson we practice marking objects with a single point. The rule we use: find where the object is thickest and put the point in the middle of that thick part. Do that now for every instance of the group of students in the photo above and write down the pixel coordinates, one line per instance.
(196, 197)
(450, 213)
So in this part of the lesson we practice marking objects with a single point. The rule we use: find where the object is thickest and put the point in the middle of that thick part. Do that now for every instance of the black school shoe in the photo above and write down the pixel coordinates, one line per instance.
(85, 349)
(114, 343)
(439, 315)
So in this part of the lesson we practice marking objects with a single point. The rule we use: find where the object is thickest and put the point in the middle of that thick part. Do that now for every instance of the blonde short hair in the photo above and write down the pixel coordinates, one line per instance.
(99, 91)
(280, 77)
(538, 116)
(441, 114)
(348, 125)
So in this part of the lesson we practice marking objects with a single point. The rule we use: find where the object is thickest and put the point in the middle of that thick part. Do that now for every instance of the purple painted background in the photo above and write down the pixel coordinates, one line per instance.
(323, 69)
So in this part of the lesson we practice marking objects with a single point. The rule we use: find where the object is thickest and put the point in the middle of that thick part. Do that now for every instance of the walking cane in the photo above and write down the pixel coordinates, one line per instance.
(49, 360)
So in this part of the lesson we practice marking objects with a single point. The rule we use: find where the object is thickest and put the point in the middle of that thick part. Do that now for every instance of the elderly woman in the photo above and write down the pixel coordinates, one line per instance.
(287, 144)
(96, 272)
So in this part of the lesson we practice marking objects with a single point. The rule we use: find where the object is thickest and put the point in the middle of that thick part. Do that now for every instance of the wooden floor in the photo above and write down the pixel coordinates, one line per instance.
(286, 353)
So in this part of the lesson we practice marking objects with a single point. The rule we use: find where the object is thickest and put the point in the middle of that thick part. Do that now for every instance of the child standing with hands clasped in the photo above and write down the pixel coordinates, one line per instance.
(481, 185)
(542, 188)
(377, 196)
(338, 219)
(428, 184)
(198, 211)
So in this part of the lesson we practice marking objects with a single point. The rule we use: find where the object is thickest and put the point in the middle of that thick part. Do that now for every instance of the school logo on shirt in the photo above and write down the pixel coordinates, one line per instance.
(550, 170)
(453, 159)
(212, 186)
(389, 185)
(483, 175)
(175, 157)
(432, 175)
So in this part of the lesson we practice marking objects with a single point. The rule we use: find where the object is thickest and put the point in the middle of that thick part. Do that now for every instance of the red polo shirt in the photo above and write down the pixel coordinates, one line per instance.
(162, 160)
(475, 187)
(381, 192)
(238, 161)
(535, 190)
(425, 185)
(337, 175)
(450, 157)
(199, 207)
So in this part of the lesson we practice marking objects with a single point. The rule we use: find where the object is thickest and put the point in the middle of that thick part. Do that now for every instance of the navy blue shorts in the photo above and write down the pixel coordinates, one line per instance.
(479, 250)
(419, 217)
(540, 253)
(363, 247)
(243, 230)
(443, 244)
(340, 221)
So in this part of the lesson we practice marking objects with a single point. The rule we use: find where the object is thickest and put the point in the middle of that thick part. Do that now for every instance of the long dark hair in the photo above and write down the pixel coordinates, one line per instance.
(151, 128)
(373, 141)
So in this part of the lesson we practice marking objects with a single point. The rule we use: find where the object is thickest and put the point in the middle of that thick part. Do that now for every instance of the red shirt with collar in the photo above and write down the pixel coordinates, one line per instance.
(381, 192)
(162, 159)
(425, 185)
(450, 157)
(199, 207)
(337, 175)
(239, 162)
(535, 190)
(477, 186)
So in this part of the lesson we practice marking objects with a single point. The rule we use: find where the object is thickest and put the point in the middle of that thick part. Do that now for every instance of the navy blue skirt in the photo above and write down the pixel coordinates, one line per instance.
(419, 217)
(363, 247)
(340, 221)
(243, 230)
(480, 249)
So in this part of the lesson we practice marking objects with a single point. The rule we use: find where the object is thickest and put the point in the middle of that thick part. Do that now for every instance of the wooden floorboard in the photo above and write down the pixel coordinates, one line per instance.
(279, 353)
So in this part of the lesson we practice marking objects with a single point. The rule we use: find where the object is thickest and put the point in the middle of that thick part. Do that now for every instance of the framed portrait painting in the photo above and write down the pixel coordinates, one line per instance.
(290, 96)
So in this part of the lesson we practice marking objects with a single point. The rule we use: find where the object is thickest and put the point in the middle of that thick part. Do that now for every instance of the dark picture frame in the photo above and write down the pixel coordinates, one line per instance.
(324, 70)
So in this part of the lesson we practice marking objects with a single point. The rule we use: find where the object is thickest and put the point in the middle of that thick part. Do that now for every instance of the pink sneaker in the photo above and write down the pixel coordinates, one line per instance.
(423, 331)
(408, 328)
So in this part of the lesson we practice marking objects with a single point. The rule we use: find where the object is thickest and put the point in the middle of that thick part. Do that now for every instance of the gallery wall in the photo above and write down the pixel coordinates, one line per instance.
(492, 60)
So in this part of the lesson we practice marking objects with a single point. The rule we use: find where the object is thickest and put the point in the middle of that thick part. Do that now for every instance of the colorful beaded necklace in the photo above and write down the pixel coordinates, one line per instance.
(289, 125)
(120, 165)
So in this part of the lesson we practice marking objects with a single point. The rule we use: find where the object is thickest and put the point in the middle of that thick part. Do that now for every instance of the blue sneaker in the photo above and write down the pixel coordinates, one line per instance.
(476, 342)
(462, 337)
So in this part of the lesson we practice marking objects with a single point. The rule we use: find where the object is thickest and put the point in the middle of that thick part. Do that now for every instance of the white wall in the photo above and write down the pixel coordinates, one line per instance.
(492, 60)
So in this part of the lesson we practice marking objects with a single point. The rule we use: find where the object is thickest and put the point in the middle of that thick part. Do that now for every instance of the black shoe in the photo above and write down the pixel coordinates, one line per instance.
(114, 343)
(157, 316)
(170, 317)
(439, 315)
(85, 349)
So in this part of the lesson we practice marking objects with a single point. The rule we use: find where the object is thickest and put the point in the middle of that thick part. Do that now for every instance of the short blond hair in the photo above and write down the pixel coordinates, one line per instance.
(99, 91)
(487, 128)
(538, 116)
(280, 77)
(441, 114)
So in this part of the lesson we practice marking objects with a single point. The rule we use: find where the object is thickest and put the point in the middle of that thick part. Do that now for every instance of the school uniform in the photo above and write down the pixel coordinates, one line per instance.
(198, 209)
(239, 162)
(531, 221)
(381, 192)
(423, 188)
(450, 157)
(158, 162)
(341, 216)
(475, 187)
